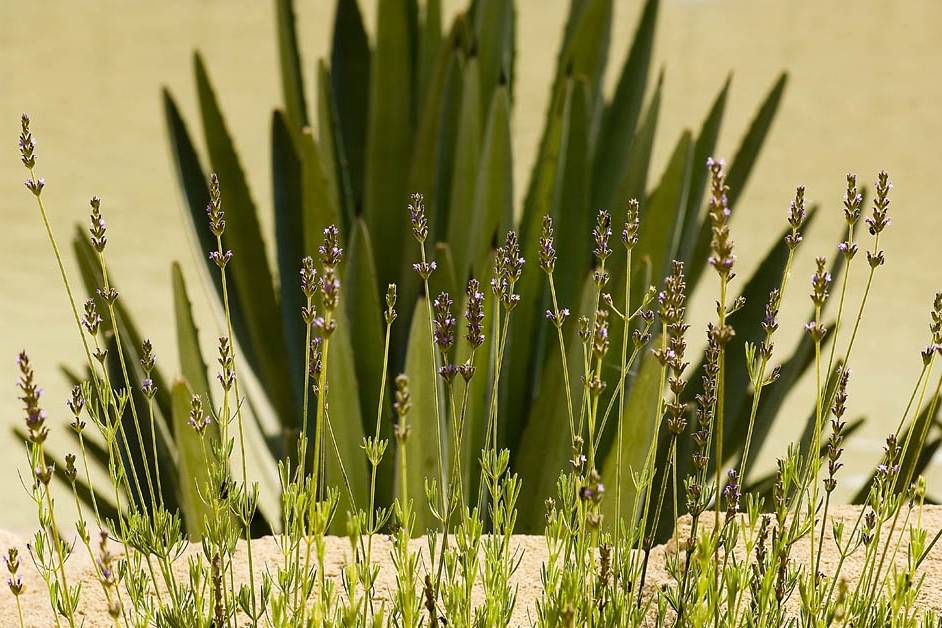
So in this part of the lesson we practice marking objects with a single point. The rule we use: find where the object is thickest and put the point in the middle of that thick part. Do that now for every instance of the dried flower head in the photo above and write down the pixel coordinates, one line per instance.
(217, 218)
(879, 220)
(27, 143)
(820, 283)
(390, 313)
(629, 233)
(197, 419)
(331, 254)
(418, 218)
(796, 218)
(601, 234)
(474, 314)
(30, 393)
(308, 277)
(722, 258)
(547, 246)
(148, 359)
(91, 321)
(226, 374)
(403, 399)
(852, 200)
(97, 228)
(444, 322)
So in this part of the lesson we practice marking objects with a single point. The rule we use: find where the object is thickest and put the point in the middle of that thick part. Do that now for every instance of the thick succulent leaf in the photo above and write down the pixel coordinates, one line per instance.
(574, 217)
(613, 151)
(739, 171)
(545, 445)
(494, 33)
(745, 160)
(350, 72)
(522, 363)
(389, 136)
(704, 148)
(287, 188)
(192, 465)
(466, 165)
(583, 53)
(436, 135)
(331, 164)
(192, 364)
(364, 312)
(193, 184)
(430, 44)
(639, 423)
(249, 269)
(635, 182)
(663, 217)
(423, 447)
(346, 422)
(289, 58)
(494, 190)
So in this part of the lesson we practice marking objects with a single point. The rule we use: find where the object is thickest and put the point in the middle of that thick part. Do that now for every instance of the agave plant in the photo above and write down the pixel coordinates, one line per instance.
(421, 109)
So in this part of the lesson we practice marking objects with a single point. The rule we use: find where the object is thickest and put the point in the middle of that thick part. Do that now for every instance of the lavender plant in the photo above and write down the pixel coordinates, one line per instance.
(742, 556)
(413, 108)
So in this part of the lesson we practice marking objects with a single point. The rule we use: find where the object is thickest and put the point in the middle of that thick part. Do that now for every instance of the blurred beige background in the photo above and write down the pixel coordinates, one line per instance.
(862, 96)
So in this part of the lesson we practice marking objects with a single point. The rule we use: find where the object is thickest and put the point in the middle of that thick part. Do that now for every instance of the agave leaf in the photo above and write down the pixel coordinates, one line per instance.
(571, 201)
(430, 44)
(287, 188)
(422, 448)
(289, 57)
(192, 180)
(346, 422)
(389, 136)
(249, 268)
(332, 159)
(613, 153)
(493, 193)
(445, 278)
(350, 76)
(466, 165)
(662, 219)
(739, 171)
(640, 421)
(192, 465)
(522, 363)
(745, 159)
(363, 310)
(635, 182)
(192, 364)
(494, 33)
(545, 445)
(583, 53)
(704, 147)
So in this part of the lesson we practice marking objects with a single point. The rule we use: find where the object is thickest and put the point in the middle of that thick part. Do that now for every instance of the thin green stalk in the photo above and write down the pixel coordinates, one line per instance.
(626, 327)
(238, 409)
(564, 358)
